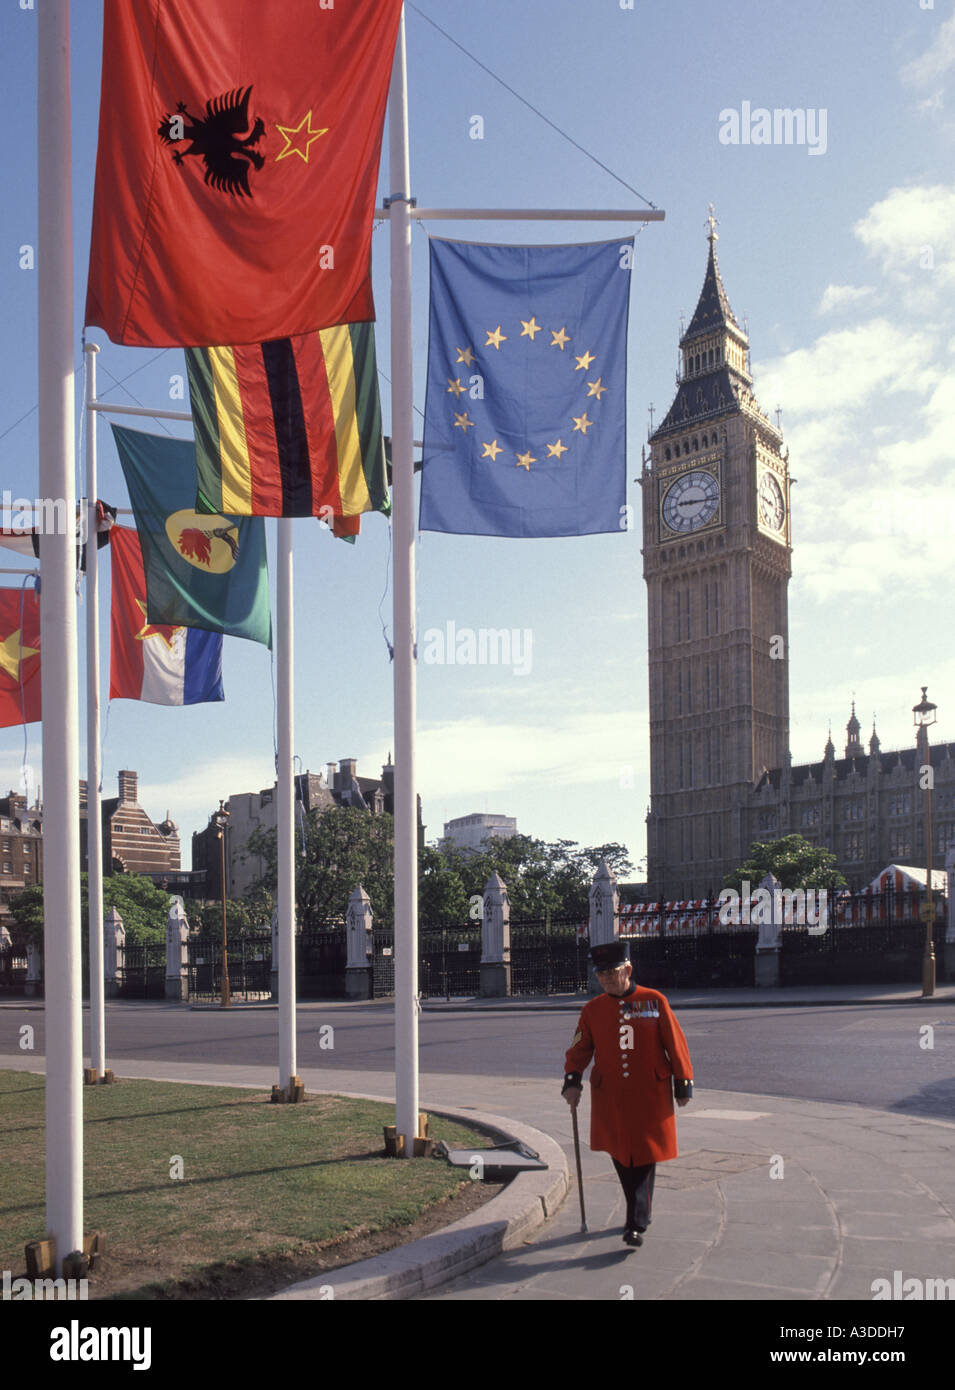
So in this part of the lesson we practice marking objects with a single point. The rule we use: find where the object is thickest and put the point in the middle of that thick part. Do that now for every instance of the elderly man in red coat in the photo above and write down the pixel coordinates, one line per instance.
(639, 1052)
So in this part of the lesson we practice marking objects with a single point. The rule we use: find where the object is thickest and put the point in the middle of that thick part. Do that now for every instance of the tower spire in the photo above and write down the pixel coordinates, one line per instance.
(713, 222)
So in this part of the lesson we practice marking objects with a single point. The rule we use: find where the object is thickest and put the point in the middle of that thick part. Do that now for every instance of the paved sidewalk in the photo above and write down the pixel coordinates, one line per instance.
(858, 1195)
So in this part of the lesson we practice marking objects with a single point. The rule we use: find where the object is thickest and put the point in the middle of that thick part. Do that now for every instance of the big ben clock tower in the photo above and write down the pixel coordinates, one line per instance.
(716, 559)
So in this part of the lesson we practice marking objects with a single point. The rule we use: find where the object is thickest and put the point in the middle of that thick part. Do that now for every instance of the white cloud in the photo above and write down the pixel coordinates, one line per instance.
(910, 459)
(937, 59)
(844, 369)
(911, 232)
(193, 796)
(838, 297)
(474, 756)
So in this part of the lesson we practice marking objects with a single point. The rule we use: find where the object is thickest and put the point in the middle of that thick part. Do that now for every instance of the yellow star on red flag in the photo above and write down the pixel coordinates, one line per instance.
(166, 634)
(299, 138)
(13, 654)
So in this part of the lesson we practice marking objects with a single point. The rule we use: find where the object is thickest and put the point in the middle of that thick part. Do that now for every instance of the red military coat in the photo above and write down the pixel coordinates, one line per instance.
(637, 1048)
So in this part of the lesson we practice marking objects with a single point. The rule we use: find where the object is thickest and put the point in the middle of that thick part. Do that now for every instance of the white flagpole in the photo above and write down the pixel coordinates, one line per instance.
(285, 790)
(61, 822)
(94, 827)
(406, 820)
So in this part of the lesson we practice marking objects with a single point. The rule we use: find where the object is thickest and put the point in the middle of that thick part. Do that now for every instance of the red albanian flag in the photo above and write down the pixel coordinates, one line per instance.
(236, 170)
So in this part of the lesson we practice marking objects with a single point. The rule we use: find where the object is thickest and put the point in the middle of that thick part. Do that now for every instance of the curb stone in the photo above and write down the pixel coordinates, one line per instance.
(526, 1203)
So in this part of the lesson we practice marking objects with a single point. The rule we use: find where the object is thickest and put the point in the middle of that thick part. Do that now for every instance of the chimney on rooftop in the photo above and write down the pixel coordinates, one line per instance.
(128, 790)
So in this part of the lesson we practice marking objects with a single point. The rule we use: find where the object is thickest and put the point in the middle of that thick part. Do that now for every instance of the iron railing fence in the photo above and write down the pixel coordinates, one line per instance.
(250, 967)
(881, 951)
(868, 938)
(549, 955)
(144, 972)
(696, 960)
(13, 970)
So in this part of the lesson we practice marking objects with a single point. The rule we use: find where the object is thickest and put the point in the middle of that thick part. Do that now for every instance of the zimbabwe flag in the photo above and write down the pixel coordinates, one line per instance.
(290, 428)
(236, 167)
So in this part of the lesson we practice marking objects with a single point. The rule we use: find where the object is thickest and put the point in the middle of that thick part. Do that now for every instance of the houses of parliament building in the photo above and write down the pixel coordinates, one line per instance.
(716, 560)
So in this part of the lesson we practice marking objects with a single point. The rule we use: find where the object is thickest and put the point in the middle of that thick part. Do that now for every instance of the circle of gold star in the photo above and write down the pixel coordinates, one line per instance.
(495, 337)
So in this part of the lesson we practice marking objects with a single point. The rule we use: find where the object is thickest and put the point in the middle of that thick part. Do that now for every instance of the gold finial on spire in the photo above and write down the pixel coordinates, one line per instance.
(713, 235)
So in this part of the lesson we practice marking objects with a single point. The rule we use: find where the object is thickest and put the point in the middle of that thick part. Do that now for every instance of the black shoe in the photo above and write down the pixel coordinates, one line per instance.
(631, 1237)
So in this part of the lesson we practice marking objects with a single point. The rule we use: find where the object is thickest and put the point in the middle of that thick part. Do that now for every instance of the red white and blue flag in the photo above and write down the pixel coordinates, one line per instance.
(161, 665)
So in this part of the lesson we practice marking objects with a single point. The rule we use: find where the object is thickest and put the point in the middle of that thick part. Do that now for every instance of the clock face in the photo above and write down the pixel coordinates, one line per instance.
(772, 511)
(691, 502)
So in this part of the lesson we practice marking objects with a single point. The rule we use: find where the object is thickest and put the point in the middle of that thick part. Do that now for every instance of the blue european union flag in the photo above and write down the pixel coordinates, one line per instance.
(525, 419)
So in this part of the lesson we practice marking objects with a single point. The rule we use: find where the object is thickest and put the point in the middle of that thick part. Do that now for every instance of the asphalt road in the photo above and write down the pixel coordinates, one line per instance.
(864, 1055)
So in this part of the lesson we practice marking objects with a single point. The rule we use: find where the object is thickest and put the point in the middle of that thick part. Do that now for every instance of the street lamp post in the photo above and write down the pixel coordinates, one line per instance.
(924, 713)
(221, 820)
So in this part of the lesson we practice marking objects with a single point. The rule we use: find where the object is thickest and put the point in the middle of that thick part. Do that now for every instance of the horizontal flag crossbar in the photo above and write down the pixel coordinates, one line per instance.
(532, 214)
(109, 409)
(4, 570)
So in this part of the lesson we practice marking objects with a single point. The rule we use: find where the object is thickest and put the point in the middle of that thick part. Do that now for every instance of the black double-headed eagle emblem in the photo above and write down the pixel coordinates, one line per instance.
(221, 138)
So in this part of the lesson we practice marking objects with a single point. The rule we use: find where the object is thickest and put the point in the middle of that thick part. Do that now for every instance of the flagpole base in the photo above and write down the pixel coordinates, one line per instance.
(423, 1146)
(292, 1094)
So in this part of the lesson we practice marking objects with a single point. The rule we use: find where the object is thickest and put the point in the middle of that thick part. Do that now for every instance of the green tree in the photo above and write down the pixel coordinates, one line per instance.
(442, 896)
(142, 906)
(795, 862)
(205, 918)
(540, 877)
(344, 846)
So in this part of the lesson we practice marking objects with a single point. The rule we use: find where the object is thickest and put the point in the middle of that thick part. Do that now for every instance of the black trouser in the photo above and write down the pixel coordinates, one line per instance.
(637, 1184)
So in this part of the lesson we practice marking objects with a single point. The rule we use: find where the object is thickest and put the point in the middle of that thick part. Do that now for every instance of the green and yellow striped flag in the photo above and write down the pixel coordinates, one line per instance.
(290, 427)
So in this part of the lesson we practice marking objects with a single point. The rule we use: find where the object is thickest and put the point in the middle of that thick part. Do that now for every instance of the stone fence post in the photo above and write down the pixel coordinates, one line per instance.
(495, 969)
(604, 915)
(114, 952)
(359, 971)
(177, 951)
(33, 985)
(768, 940)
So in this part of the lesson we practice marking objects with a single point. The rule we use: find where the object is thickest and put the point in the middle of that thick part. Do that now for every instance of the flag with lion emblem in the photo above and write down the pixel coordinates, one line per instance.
(203, 570)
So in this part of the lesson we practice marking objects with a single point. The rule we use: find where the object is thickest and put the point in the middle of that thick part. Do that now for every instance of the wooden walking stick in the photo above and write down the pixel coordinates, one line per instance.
(580, 1178)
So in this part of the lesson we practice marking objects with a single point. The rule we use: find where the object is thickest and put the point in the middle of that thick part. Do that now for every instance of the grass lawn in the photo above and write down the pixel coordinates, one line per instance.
(265, 1189)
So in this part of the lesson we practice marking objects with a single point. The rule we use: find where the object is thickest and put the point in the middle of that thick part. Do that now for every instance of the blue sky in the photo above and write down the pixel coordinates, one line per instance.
(843, 263)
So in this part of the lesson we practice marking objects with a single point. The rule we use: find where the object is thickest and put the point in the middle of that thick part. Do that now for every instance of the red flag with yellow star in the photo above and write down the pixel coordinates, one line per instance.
(236, 170)
(147, 661)
(19, 657)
